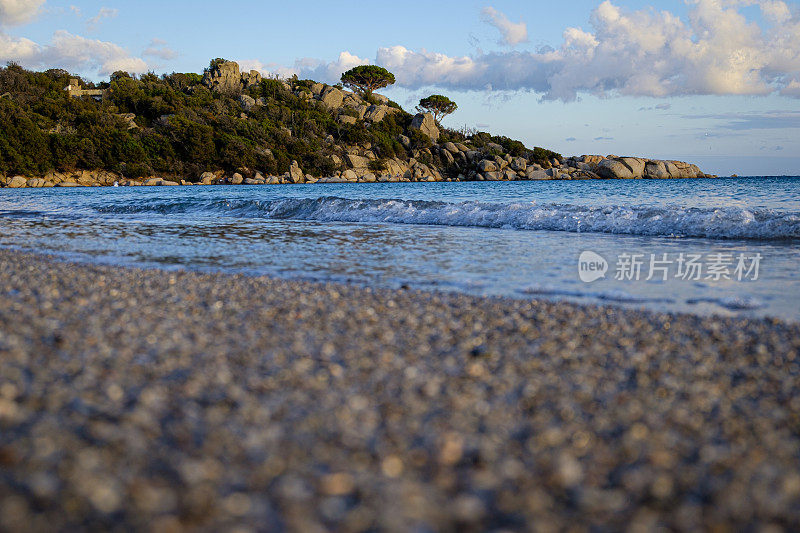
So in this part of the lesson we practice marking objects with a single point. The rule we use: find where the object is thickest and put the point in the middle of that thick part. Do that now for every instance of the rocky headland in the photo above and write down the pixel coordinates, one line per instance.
(366, 138)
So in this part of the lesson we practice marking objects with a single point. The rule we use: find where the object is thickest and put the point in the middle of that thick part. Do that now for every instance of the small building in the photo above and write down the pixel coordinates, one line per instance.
(75, 90)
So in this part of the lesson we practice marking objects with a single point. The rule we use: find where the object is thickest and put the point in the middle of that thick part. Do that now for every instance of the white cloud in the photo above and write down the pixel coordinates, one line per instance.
(252, 64)
(792, 89)
(68, 51)
(104, 13)
(775, 11)
(715, 50)
(71, 52)
(16, 49)
(512, 32)
(74, 52)
(158, 48)
(13, 12)
(315, 69)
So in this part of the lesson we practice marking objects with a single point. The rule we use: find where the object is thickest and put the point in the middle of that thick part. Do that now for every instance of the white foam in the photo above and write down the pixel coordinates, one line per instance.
(728, 222)
(720, 223)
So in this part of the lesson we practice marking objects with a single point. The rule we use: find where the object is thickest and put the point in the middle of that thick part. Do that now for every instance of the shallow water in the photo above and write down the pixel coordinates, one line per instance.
(519, 239)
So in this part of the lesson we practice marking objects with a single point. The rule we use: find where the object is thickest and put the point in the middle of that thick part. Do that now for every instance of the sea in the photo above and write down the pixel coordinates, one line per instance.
(726, 246)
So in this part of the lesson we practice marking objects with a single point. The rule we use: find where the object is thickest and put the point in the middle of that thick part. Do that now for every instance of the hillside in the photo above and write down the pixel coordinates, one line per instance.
(225, 126)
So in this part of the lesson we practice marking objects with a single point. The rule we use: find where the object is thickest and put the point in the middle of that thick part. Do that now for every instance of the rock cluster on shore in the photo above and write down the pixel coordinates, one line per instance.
(473, 165)
(171, 401)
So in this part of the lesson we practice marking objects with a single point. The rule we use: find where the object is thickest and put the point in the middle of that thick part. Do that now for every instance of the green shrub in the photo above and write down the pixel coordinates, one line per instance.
(541, 155)
(377, 165)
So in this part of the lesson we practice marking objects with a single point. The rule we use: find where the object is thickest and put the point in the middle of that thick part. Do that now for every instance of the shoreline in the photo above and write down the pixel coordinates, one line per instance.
(581, 168)
(137, 397)
(40, 183)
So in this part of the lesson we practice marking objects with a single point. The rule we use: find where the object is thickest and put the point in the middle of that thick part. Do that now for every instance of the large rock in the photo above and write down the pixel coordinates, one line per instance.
(361, 109)
(17, 182)
(247, 102)
(592, 159)
(226, 78)
(655, 170)
(396, 167)
(448, 157)
(613, 169)
(679, 169)
(351, 100)
(635, 164)
(487, 165)
(207, 178)
(332, 98)
(425, 124)
(251, 79)
(295, 174)
(451, 147)
(104, 177)
(158, 182)
(519, 164)
(317, 88)
(87, 178)
(356, 161)
(376, 113)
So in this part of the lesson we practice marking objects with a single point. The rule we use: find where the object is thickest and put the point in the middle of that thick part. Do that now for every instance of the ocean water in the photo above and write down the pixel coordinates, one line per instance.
(729, 246)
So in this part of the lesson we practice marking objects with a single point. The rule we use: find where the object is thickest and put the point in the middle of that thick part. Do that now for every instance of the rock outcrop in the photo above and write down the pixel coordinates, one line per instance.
(16, 182)
(332, 98)
(425, 124)
(226, 77)
(476, 158)
(614, 167)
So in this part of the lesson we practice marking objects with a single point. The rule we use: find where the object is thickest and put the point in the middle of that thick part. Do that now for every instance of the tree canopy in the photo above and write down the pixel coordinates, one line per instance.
(367, 78)
(437, 105)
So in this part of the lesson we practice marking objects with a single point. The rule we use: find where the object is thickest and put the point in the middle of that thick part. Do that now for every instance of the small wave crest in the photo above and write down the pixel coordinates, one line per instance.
(720, 223)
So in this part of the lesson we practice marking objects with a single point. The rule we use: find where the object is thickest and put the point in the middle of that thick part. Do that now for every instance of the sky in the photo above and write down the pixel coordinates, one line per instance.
(715, 82)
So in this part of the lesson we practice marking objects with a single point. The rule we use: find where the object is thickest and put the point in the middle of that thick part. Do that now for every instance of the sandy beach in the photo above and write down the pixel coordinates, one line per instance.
(133, 399)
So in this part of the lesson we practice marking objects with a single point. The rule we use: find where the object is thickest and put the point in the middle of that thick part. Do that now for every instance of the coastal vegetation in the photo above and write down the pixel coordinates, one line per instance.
(177, 125)
(437, 105)
(228, 126)
(367, 78)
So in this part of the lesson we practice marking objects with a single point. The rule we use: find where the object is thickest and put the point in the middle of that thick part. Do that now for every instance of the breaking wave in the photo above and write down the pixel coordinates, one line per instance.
(720, 223)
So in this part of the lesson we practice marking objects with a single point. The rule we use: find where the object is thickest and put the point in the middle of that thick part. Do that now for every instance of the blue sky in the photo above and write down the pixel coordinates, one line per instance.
(716, 82)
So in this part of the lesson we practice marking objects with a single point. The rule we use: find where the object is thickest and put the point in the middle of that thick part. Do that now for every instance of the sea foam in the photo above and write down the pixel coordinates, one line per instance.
(719, 223)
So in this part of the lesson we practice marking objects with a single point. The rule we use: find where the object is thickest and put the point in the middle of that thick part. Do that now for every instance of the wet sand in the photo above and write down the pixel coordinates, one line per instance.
(134, 399)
